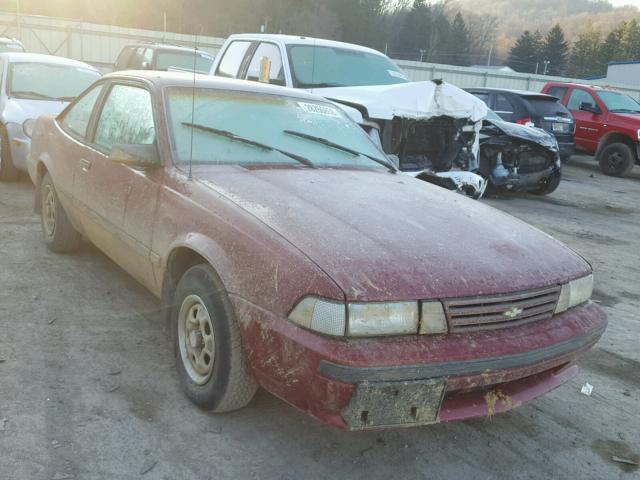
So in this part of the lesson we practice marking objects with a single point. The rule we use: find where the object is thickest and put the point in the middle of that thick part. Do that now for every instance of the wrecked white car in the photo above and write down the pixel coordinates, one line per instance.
(428, 126)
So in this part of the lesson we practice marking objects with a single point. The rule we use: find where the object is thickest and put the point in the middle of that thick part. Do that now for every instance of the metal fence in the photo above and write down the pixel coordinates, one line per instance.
(100, 45)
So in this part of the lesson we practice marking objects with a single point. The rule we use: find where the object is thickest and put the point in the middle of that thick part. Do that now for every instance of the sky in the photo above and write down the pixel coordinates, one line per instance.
(620, 3)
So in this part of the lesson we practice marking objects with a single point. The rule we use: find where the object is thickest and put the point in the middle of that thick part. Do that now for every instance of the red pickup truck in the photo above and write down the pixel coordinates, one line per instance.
(607, 124)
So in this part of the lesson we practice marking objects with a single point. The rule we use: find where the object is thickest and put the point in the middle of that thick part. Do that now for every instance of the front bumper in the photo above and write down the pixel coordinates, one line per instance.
(414, 380)
(567, 149)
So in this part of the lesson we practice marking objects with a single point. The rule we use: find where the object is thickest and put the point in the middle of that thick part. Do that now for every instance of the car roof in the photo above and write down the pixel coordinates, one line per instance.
(582, 85)
(22, 57)
(161, 79)
(299, 40)
(164, 46)
(520, 93)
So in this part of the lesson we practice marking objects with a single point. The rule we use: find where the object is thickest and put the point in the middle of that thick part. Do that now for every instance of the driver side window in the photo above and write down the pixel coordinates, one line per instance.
(126, 118)
(578, 97)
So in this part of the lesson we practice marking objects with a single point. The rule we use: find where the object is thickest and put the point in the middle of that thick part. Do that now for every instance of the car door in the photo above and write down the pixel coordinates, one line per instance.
(121, 200)
(72, 149)
(266, 65)
(588, 125)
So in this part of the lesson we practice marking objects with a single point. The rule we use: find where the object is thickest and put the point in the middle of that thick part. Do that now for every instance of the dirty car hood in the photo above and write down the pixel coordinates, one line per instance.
(531, 134)
(416, 100)
(381, 236)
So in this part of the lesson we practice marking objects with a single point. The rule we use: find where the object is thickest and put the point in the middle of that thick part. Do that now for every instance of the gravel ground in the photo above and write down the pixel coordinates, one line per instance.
(88, 388)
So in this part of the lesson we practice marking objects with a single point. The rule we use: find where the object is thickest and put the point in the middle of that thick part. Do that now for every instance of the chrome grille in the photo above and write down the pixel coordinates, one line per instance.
(500, 311)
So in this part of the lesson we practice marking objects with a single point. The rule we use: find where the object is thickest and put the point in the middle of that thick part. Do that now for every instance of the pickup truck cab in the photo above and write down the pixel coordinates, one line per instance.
(607, 124)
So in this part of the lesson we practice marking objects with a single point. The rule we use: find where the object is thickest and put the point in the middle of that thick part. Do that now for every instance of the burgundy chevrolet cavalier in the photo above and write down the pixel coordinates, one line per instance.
(289, 254)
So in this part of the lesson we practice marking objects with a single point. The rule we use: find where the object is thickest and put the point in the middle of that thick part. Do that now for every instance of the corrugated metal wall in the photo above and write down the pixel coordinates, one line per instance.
(99, 45)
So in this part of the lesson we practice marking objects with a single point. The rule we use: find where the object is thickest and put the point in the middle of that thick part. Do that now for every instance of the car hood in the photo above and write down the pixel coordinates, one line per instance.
(381, 236)
(627, 118)
(18, 110)
(415, 100)
(531, 134)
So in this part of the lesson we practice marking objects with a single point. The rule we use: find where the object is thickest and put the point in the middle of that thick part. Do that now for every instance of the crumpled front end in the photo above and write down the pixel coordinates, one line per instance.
(423, 126)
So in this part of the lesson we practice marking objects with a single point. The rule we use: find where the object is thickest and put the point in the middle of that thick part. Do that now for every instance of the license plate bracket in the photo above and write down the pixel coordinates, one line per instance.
(394, 404)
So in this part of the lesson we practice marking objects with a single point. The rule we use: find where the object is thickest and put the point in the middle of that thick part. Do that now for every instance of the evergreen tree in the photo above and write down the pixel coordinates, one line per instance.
(458, 42)
(630, 40)
(555, 51)
(610, 49)
(525, 54)
(585, 59)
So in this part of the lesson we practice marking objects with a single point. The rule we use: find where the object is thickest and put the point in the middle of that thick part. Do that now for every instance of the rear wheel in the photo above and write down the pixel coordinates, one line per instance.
(549, 185)
(8, 172)
(59, 234)
(616, 160)
(210, 360)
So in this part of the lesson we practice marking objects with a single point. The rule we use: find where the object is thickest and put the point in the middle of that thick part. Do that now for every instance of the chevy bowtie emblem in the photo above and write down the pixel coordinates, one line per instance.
(513, 313)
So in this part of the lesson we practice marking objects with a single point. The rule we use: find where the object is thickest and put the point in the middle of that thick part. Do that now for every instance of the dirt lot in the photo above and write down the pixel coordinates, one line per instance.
(88, 388)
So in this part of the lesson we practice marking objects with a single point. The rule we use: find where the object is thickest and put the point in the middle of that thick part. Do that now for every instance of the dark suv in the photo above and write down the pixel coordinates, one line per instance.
(154, 56)
(532, 109)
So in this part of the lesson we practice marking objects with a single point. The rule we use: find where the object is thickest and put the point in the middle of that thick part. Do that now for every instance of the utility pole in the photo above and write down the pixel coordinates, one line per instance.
(546, 66)
(537, 66)
(490, 55)
(422, 52)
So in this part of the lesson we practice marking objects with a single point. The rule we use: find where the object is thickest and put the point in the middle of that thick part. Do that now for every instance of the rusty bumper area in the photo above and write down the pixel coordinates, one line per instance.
(414, 395)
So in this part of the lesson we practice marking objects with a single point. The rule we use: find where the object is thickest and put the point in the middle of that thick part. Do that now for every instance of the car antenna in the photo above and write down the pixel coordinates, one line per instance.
(193, 104)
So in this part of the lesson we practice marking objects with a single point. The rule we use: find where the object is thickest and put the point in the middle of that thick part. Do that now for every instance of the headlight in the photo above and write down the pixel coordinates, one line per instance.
(575, 293)
(375, 319)
(370, 319)
(638, 135)
(27, 126)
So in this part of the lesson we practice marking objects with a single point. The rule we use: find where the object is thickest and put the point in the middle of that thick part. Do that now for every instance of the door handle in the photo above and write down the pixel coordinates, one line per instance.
(85, 165)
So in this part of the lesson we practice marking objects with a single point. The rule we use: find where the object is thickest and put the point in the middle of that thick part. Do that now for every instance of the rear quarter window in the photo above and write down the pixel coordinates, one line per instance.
(232, 59)
(547, 107)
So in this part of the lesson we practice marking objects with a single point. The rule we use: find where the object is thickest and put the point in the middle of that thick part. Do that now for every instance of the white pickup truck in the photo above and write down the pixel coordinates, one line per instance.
(428, 125)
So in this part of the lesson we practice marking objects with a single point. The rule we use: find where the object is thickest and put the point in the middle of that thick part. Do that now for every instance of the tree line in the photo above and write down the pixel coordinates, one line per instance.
(426, 30)
(588, 56)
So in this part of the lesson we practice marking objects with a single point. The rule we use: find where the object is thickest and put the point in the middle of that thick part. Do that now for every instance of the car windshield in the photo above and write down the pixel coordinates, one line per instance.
(46, 81)
(317, 67)
(166, 60)
(619, 102)
(244, 128)
(11, 47)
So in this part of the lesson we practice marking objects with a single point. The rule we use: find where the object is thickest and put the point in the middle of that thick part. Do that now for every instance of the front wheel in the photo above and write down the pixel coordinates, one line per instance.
(617, 160)
(549, 185)
(59, 234)
(210, 361)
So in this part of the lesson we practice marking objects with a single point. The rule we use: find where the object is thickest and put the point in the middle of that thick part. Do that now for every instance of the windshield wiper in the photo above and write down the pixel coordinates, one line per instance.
(321, 85)
(247, 141)
(624, 110)
(33, 95)
(337, 146)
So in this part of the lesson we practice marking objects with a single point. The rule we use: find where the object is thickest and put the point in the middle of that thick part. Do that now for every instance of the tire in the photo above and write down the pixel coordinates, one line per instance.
(549, 185)
(616, 160)
(8, 172)
(205, 328)
(59, 234)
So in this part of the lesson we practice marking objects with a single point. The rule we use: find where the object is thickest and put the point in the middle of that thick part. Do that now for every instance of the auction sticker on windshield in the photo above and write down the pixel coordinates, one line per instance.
(318, 109)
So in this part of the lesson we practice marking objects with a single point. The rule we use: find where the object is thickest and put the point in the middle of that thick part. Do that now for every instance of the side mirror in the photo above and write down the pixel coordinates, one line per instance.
(139, 156)
(590, 107)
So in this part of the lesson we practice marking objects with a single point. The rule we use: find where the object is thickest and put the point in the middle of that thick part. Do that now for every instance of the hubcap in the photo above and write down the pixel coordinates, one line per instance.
(196, 339)
(49, 210)
(615, 160)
